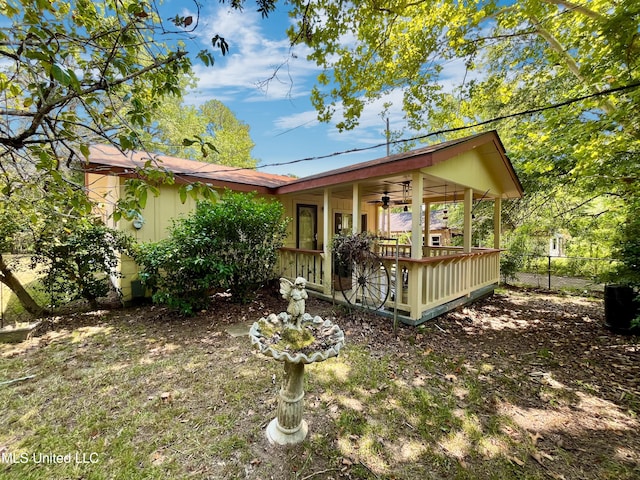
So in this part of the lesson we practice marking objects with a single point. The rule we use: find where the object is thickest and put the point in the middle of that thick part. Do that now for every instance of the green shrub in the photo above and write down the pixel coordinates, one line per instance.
(627, 250)
(79, 258)
(231, 244)
(512, 261)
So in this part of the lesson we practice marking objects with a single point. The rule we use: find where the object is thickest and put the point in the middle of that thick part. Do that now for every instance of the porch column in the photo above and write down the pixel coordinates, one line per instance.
(415, 270)
(427, 225)
(468, 206)
(387, 212)
(417, 185)
(355, 208)
(327, 278)
(497, 222)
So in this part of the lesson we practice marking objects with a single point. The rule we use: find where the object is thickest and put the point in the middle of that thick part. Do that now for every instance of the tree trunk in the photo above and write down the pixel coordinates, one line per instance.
(9, 279)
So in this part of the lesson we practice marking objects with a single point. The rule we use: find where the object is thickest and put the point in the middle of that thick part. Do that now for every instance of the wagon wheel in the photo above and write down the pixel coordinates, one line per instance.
(368, 285)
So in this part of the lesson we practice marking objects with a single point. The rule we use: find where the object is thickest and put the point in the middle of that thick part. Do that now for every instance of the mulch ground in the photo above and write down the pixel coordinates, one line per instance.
(544, 360)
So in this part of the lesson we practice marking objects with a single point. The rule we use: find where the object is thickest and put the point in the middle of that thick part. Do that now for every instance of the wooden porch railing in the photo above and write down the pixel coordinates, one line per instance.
(444, 278)
(296, 262)
(404, 250)
(446, 275)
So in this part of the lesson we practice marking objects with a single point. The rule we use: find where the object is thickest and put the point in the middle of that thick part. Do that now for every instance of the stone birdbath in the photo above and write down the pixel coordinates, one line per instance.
(295, 338)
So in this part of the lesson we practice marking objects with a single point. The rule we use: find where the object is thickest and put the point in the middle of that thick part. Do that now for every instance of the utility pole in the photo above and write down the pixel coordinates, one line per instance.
(388, 137)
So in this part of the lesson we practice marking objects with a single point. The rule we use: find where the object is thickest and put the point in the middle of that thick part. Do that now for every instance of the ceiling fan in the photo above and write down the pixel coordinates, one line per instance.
(385, 200)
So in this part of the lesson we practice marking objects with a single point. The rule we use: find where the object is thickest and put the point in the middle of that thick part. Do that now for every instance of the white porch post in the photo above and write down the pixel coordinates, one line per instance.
(415, 272)
(387, 212)
(497, 222)
(468, 206)
(427, 225)
(417, 183)
(355, 208)
(327, 279)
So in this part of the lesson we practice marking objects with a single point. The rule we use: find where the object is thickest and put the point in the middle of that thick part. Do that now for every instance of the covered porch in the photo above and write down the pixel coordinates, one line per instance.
(426, 280)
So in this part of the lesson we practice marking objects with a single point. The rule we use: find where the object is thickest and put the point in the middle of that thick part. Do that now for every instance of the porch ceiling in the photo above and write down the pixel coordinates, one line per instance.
(435, 190)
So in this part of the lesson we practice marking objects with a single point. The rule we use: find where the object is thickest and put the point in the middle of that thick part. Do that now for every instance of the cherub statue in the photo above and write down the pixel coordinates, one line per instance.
(296, 294)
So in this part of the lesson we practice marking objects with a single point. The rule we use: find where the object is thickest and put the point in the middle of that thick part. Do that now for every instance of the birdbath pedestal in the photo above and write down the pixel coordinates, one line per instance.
(289, 427)
(295, 339)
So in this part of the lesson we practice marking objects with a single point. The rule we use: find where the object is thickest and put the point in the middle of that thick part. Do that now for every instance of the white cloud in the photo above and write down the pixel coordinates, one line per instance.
(256, 67)
(254, 58)
(306, 119)
(371, 125)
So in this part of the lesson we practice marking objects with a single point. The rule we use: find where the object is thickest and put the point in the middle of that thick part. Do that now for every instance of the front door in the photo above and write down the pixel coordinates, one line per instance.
(307, 227)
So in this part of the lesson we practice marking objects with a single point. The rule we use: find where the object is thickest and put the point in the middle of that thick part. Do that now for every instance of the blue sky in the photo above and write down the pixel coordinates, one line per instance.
(282, 120)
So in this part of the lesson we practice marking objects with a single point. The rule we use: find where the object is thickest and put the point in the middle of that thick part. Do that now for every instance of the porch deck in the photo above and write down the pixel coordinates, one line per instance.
(443, 279)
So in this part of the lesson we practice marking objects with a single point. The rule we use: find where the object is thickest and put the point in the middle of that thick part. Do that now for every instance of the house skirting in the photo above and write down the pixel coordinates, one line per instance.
(427, 315)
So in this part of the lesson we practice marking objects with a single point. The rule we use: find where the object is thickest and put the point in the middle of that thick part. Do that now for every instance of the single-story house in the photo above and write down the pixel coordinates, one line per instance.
(439, 278)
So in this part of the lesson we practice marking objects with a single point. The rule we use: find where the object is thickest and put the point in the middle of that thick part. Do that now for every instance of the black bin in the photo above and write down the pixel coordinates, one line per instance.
(620, 308)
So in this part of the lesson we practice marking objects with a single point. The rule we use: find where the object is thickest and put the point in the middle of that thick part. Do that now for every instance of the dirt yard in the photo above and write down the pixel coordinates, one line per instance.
(523, 384)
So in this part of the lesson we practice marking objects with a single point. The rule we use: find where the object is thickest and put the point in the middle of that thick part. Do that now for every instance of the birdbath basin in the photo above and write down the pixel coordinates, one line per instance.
(295, 341)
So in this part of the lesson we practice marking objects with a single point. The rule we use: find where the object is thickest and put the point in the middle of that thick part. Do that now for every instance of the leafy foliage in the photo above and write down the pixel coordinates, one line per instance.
(79, 258)
(231, 244)
(628, 250)
(512, 261)
(75, 73)
(559, 79)
(28, 220)
(209, 133)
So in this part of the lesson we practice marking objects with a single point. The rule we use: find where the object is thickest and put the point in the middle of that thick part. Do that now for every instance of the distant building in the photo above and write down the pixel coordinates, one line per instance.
(400, 224)
(556, 245)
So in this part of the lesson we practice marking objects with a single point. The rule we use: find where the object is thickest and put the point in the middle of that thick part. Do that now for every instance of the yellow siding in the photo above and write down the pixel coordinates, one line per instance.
(469, 170)
(103, 191)
(157, 215)
(129, 271)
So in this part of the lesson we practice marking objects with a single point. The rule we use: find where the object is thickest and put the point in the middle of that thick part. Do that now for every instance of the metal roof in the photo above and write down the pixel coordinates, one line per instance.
(110, 160)
(377, 174)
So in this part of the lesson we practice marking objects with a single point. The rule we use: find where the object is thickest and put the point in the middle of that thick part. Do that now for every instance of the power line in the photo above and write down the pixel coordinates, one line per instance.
(532, 111)
(296, 127)
(464, 127)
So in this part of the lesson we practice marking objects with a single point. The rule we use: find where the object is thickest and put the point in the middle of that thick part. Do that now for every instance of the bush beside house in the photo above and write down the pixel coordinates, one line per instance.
(78, 259)
(228, 245)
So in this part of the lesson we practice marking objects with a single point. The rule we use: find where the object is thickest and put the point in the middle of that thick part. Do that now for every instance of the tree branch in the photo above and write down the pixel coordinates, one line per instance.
(578, 8)
(102, 85)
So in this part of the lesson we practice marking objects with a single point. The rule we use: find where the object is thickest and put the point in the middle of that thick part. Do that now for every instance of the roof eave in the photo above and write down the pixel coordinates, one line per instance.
(123, 172)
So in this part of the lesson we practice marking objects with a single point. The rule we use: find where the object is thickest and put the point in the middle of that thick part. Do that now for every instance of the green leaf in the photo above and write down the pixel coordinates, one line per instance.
(84, 149)
(36, 55)
(206, 57)
(61, 75)
(221, 43)
(74, 81)
(142, 196)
